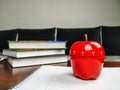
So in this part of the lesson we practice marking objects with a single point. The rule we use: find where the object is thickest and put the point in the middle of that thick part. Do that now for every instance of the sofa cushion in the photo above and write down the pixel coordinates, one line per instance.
(77, 34)
(3, 45)
(37, 34)
(6, 35)
(111, 39)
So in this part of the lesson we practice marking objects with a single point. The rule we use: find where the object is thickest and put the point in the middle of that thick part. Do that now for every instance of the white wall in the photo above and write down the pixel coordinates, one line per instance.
(58, 13)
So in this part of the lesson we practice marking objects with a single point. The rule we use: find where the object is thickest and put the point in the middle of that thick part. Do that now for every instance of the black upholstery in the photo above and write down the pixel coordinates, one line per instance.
(37, 34)
(110, 36)
(77, 34)
(5, 36)
(111, 39)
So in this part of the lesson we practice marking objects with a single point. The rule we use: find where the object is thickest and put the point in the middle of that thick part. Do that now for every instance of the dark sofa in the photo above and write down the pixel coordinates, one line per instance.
(111, 40)
(77, 34)
(25, 34)
(6, 35)
(108, 36)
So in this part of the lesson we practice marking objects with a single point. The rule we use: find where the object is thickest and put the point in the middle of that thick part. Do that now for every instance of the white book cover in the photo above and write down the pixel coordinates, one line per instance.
(22, 53)
(15, 62)
(3, 57)
(62, 78)
(37, 44)
(112, 58)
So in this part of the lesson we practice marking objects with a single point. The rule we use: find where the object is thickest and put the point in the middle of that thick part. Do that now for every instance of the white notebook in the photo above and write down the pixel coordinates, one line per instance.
(62, 78)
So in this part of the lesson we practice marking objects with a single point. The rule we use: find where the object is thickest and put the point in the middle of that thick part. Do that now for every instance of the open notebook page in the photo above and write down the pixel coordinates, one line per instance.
(62, 78)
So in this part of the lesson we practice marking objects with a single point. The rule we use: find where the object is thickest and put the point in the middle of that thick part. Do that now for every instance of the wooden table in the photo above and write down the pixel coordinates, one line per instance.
(11, 76)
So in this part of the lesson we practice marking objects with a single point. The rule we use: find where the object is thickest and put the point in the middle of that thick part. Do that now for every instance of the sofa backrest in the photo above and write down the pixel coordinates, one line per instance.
(77, 34)
(36, 34)
(111, 39)
(6, 35)
(110, 36)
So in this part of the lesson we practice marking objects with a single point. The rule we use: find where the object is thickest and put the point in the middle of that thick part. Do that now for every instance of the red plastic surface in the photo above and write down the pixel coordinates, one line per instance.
(87, 59)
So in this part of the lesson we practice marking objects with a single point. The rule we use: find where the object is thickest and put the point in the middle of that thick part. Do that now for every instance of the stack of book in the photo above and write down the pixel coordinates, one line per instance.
(27, 53)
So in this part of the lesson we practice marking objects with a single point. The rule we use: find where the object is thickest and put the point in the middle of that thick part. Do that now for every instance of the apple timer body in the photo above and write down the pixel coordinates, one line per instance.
(87, 59)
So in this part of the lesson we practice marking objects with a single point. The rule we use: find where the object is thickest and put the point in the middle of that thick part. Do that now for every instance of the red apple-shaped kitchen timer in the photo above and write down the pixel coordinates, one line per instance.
(87, 59)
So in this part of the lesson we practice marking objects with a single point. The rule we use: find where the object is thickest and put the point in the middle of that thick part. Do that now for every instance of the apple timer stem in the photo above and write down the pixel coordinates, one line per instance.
(86, 37)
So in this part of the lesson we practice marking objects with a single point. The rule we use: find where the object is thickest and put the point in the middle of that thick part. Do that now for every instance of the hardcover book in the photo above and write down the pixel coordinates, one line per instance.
(15, 62)
(36, 44)
(21, 53)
